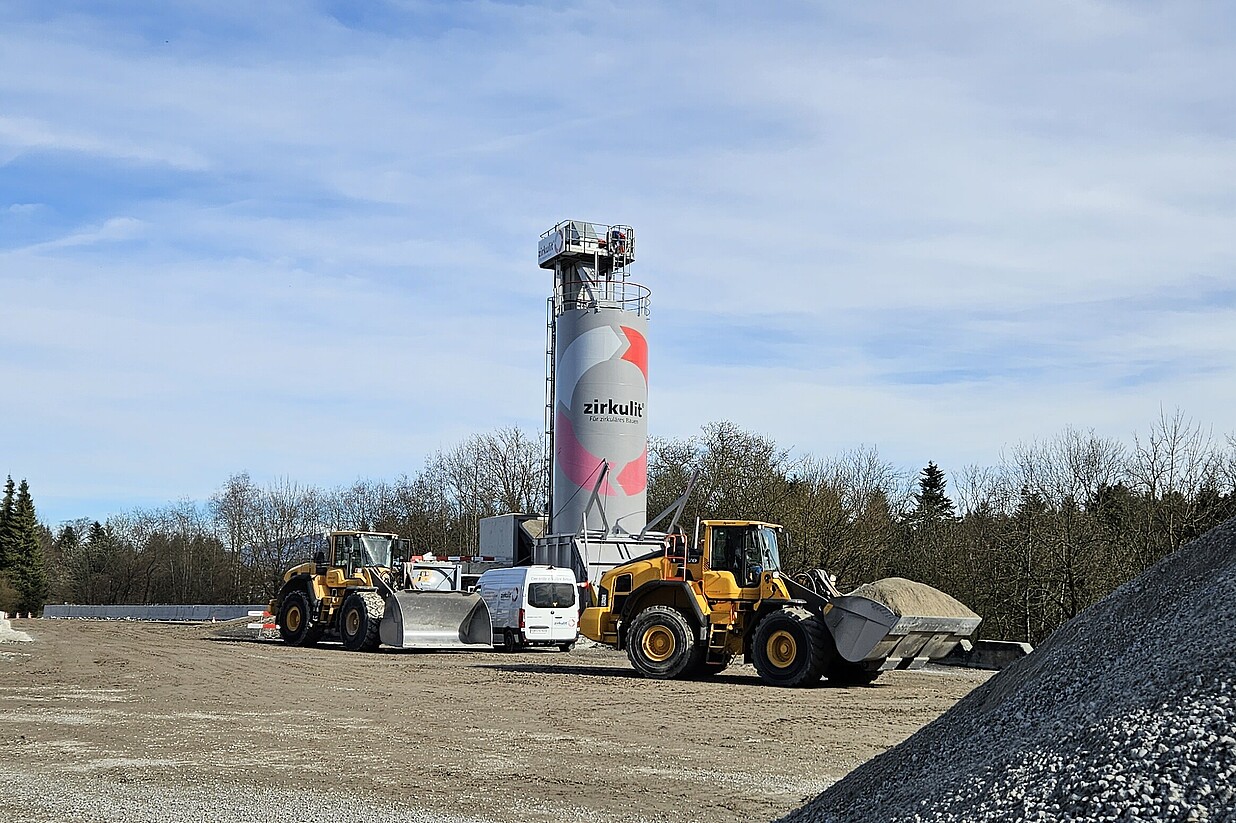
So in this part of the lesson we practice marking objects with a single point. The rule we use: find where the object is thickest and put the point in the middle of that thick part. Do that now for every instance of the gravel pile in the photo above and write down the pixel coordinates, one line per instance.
(908, 597)
(1127, 713)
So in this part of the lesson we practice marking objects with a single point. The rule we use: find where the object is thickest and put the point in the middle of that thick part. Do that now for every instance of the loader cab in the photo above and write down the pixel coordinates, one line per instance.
(739, 551)
(357, 549)
(348, 554)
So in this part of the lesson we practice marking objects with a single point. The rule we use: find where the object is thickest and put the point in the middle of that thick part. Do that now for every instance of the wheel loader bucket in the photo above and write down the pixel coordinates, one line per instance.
(913, 625)
(435, 620)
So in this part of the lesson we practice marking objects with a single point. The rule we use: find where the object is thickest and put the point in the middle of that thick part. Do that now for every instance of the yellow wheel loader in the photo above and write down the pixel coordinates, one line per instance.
(687, 610)
(355, 592)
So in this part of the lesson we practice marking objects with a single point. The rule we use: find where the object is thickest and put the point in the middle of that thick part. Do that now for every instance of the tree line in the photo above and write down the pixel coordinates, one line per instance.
(23, 568)
(1027, 543)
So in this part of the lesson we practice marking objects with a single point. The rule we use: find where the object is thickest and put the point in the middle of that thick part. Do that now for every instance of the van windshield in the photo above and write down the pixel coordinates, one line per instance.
(551, 595)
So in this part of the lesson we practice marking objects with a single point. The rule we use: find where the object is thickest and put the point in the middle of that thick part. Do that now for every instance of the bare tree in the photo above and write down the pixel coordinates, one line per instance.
(288, 511)
(359, 506)
(1176, 467)
(513, 461)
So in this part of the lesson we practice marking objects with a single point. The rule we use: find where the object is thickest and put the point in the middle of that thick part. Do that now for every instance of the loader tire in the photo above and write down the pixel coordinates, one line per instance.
(359, 620)
(661, 644)
(294, 620)
(790, 648)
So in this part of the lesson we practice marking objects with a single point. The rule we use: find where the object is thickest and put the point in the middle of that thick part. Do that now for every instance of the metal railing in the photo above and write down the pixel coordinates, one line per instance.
(606, 294)
(578, 239)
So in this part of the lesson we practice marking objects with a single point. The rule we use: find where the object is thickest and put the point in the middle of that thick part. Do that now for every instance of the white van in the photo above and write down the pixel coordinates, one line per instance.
(532, 606)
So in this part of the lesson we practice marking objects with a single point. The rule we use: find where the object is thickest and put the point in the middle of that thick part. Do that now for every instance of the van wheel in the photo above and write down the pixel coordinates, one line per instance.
(509, 642)
(566, 647)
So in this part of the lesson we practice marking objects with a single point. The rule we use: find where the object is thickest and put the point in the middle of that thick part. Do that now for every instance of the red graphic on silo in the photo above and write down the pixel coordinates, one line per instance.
(577, 463)
(634, 478)
(637, 351)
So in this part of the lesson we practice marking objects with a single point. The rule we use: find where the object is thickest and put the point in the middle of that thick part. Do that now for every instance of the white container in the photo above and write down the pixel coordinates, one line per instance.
(532, 606)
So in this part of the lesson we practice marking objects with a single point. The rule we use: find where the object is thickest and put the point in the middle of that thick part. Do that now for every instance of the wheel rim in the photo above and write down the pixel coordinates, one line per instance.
(352, 621)
(658, 644)
(293, 619)
(782, 648)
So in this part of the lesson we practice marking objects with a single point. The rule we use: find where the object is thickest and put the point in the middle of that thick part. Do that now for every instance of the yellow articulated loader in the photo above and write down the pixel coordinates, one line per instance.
(687, 610)
(354, 591)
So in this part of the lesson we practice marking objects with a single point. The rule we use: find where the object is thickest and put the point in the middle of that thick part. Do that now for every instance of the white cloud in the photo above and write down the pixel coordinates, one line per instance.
(111, 230)
(20, 134)
(936, 230)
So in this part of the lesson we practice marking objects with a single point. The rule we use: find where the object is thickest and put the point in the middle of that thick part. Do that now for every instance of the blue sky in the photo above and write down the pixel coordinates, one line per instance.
(298, 239)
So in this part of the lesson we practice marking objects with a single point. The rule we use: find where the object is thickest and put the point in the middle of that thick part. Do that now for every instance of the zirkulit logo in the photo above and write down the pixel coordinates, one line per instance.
(632, 408)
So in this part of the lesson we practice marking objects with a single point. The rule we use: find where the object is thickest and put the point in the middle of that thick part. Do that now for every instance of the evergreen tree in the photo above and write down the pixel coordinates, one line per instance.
(931, 504)
(65, 554)
(67, 542)
(7, 534)
(98, 575)
(97, 536)
(27, 568)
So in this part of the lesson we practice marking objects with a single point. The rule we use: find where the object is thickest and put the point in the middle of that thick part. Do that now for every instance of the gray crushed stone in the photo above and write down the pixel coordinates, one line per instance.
(1126, 713)
(50, 798)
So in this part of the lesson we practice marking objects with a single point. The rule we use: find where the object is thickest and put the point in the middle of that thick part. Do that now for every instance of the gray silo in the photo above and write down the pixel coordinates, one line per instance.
(597, 401)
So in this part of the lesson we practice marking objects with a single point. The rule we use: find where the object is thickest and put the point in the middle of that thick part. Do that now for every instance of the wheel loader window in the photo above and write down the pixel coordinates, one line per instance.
(377, 550)
(726, 550)
(770, 555)
(342, 554)
(753, 557)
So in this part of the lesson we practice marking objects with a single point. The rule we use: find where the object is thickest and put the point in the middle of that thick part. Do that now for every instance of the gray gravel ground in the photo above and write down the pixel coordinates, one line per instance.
(121, 801)
(1127, 713)
(125, 722)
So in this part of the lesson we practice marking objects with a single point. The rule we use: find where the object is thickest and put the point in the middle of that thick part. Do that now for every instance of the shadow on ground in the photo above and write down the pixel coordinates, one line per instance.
(605, 671)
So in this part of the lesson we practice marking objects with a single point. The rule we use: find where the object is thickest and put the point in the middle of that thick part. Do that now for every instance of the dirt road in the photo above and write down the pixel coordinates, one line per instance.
(141, 722)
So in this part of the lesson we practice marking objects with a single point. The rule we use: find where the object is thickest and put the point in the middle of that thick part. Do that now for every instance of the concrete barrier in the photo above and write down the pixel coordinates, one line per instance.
(987, 654)
(197, 613)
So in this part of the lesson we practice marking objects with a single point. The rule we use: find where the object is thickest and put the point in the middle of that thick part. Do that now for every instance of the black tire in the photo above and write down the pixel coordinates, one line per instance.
(844, 673)
(359, 620)
(295, 620)
(510, 642)
(566, 647)
(661, 644)
(790, 648)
